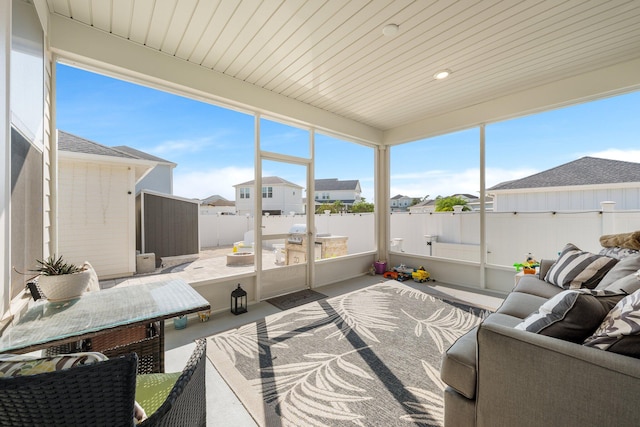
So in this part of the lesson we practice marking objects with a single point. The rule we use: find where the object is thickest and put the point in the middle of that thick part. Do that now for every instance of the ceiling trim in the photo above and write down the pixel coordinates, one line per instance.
(609, 81)
(77, 43)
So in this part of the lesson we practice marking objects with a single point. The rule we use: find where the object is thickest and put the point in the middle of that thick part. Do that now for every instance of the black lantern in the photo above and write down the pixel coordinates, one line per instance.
(238, 300)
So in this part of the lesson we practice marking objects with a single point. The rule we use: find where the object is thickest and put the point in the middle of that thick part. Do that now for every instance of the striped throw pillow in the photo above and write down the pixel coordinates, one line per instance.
(577, 269)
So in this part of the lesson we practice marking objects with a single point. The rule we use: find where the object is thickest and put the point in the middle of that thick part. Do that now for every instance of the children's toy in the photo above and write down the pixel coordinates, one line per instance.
(421, 275)
(390, 275)
(403, 272)
(529, 266)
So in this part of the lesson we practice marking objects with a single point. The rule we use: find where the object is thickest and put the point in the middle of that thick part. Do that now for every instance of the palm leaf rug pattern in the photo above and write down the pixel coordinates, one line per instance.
(369, 357)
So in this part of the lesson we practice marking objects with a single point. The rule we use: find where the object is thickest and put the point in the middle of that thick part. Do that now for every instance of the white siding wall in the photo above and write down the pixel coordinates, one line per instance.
(96, 216)
(286, 199)
(343, 195)
(567, 200)
(160, 180)
(244, 206)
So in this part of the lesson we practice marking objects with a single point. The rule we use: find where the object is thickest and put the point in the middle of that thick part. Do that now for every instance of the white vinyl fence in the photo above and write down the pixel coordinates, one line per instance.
(224, 230)
(509, 236)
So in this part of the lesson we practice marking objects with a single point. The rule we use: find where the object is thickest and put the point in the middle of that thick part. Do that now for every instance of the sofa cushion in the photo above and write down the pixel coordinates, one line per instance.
(458, 368)
(152, 389)
(620, 330)
(531, 284)
(576, 269)
(623, 268)
(572, 315)
(519, 304)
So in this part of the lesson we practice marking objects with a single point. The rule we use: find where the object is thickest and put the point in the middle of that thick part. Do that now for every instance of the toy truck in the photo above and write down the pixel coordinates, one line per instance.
(420, 275)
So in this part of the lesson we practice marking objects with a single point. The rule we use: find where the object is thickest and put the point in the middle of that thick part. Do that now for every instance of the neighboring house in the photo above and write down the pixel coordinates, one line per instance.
(217, 204)
(96, 205)
(400, 203)
(160, 179)
(427, 205)
(279, 197)
(473, 202)
(331, 190)
(578, 185)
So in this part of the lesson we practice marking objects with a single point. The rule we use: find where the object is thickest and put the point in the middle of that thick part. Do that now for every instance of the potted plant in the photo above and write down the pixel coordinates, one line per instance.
(61, 281)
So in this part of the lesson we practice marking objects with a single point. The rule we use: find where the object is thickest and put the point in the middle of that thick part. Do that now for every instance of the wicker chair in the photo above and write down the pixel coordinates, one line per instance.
(186, 404)
(101, 394)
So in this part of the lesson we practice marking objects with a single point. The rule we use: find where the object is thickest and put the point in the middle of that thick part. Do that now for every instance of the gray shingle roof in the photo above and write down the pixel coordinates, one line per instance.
(141, 154)
(75, 144)
(398, 196)
(217, 200)
(333, 184)
(269, 180)
(584, 171)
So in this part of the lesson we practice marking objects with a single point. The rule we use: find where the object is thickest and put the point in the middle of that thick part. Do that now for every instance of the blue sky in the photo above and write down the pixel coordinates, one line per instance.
(213, 146)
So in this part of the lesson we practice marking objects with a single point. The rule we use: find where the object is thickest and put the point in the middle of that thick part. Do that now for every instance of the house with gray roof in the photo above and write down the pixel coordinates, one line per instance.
(330, 190)
(216, 204)
(279, 197)
(579, 185)
(160, 178)
(400, 203)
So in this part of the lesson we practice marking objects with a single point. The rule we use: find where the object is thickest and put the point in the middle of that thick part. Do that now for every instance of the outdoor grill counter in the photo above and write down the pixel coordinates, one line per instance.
(325, 245)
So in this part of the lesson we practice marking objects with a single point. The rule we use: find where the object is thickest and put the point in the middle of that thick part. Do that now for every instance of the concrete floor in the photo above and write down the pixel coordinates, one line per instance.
(223, 408)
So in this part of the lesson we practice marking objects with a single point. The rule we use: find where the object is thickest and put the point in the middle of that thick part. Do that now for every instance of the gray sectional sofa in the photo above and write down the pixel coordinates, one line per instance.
(499, 375)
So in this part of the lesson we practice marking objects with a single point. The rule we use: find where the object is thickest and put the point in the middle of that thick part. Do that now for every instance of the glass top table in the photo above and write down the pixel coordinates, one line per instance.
(50, 323)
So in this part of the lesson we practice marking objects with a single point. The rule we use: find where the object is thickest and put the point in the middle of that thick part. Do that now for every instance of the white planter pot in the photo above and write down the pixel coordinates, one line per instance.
(65, 286)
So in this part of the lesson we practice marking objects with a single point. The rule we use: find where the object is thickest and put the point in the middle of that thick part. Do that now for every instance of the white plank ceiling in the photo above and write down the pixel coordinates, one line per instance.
(333, 55)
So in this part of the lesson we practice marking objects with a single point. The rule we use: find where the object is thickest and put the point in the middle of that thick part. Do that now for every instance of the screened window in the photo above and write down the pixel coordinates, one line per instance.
(267, 192)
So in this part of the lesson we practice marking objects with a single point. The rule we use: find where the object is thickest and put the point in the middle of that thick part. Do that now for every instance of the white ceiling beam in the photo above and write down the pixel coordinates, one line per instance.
(602, 83)
(98, 50)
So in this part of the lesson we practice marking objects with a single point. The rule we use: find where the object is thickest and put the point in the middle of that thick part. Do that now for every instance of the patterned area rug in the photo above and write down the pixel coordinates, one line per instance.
(367, 358)
(296, 299)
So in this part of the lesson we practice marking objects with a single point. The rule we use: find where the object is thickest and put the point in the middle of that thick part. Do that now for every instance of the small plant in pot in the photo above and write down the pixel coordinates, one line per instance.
(61, 281)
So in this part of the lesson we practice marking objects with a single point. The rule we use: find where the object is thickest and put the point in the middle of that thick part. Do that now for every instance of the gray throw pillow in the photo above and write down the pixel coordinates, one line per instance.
(620, 329)
(623, 268)
(627, 285)
(576, 269)
(571, 315)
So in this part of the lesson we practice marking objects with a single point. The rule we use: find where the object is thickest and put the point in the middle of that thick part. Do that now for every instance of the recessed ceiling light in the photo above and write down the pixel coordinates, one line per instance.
(390, 29)
(442, 74)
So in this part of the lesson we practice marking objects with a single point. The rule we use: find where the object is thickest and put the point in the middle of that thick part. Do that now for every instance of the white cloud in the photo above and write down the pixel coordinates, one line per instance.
(445, 183)
(617, 154)
(192, 145)
(202, 184)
